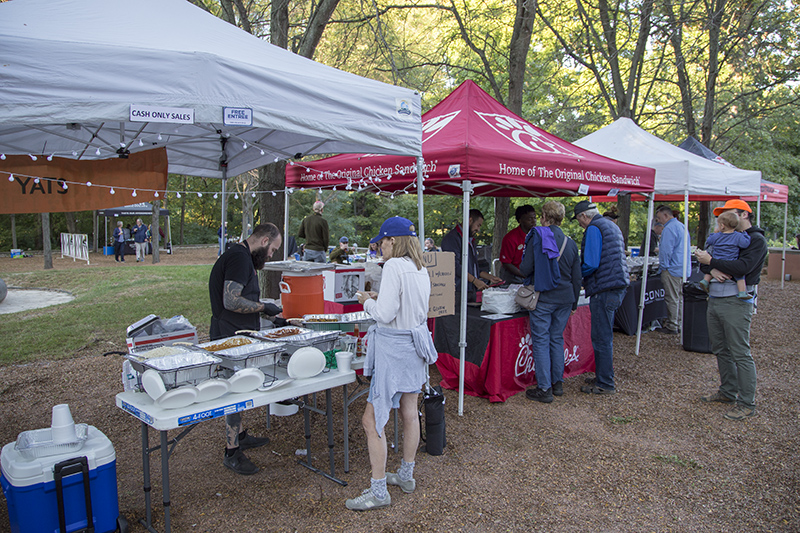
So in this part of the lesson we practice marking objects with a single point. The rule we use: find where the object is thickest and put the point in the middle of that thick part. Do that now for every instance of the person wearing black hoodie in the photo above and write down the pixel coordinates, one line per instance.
(729, 317)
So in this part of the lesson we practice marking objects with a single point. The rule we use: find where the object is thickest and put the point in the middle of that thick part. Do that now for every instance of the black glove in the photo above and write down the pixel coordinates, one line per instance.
(271, 309)
(279, 322)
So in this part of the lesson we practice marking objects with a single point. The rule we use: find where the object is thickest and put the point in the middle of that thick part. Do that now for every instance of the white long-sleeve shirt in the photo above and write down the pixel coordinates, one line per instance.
(403, 299)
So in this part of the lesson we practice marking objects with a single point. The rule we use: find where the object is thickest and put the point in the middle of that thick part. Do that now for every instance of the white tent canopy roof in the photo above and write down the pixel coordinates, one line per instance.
(71, 71)
(677, 170)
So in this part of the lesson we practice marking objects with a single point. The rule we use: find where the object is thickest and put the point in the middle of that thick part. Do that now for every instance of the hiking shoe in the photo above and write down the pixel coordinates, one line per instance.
(558, 388)
(594, 389)
(367, 501)
(590, 381)
(249, 441)
(740, 412)
(717, 397)
(668, 331)
(239, 463)
(544, 396)
(406, 486)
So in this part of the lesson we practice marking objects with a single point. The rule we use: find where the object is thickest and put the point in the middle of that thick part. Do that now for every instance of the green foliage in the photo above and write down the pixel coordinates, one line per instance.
(675, 460)
(96, 319)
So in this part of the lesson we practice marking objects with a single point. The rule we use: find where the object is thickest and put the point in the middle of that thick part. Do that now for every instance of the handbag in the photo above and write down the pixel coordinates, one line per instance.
(434, 434)
(527, 296)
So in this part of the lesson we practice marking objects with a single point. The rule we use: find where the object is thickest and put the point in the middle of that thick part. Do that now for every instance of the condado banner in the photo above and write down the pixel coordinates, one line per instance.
(28, 186)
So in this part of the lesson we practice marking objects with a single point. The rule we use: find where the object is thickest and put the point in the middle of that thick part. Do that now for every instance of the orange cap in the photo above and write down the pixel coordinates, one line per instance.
(733, 204)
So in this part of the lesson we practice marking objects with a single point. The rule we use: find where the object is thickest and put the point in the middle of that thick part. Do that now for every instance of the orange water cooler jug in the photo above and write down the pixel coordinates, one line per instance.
(301, 294)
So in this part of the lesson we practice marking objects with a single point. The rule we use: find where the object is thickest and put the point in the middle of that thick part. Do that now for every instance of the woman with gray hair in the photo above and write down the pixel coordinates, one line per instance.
(552, 264)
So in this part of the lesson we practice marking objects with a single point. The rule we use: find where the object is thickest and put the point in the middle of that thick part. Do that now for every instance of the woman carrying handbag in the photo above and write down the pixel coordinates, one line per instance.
(553, 266)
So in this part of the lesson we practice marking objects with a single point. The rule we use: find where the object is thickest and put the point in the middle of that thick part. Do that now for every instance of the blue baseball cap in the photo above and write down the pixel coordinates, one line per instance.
(344, 239)
(395, 227)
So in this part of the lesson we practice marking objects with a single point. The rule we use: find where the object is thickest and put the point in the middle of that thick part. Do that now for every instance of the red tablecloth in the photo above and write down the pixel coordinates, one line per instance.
(507, 365)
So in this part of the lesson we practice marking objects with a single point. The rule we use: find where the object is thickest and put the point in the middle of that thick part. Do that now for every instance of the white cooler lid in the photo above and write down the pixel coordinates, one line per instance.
(21, 472)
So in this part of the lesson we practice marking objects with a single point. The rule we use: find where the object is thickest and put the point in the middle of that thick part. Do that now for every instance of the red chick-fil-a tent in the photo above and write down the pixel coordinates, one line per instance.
(471, 144)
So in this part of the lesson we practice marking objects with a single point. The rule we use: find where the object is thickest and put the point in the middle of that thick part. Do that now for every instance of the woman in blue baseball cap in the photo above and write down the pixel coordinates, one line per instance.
(399, 346)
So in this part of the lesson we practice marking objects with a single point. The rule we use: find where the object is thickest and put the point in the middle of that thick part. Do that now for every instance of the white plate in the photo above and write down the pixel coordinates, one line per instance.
(153, 384)
(246, 380)
(177, 398)
(211, 389)
(305, 363)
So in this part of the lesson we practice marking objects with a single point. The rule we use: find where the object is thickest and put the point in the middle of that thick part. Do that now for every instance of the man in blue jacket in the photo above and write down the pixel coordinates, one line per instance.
(605, 279)
(140, 239)
(674, 263)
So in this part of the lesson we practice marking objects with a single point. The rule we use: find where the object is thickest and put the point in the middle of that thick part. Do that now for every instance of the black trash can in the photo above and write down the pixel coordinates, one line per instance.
(695, 327)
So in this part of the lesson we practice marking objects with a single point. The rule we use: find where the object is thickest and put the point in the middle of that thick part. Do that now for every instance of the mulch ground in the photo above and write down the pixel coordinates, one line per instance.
(650, 458)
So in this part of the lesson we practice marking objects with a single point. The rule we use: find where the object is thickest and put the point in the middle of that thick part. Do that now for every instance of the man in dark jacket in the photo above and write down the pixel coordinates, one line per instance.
(729, 317)
(477, 279)
(605, 279)
(314, 229)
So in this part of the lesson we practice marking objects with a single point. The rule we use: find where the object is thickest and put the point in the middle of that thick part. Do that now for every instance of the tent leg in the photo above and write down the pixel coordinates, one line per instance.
(224, 207)
(466, 187)
(286, 223)
(783, 253)
(420, 204)
(645, 269)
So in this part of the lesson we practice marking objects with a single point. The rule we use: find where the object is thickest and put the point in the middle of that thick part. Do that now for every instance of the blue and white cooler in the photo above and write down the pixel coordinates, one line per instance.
(59, 479)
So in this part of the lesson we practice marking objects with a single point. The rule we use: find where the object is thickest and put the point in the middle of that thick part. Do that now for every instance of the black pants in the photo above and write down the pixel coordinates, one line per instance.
(119, 251)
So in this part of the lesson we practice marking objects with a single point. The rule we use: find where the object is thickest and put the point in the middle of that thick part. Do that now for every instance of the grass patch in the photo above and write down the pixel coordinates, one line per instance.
(619, 420)
(106, 302)
(675, 460)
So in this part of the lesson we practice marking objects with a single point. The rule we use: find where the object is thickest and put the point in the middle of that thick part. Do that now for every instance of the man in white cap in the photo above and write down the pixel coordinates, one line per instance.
(728, 316)
(605, 279)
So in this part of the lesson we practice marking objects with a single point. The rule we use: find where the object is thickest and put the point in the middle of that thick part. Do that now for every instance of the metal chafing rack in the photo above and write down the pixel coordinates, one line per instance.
(250, 353)
(180, 365)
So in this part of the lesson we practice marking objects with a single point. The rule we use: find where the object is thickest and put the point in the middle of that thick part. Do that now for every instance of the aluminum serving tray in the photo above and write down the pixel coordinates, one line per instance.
(346, 322)
(255, 354)
(192, 365)
(325, 341)
(268, 334)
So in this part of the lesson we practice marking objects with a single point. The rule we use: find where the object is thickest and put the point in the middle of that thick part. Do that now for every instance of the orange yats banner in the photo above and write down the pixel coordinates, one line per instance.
(38, 186)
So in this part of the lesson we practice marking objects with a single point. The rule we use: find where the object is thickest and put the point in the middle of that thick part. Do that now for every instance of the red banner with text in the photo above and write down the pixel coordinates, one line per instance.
(62, 185)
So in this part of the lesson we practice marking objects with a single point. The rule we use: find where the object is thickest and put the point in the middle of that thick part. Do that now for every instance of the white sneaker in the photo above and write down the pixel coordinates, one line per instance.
(406, 486)
(367, 501)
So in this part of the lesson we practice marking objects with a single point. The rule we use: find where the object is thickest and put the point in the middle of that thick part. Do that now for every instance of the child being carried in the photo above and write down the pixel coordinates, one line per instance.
(726, 244)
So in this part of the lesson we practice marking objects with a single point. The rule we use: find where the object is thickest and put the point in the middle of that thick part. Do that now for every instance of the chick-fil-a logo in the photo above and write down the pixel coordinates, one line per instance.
(572, 357)
(525, 357)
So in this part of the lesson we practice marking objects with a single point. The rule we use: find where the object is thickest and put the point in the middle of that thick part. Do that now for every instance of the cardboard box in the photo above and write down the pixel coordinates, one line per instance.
(341, 285)
(152, 332)
(441, 268)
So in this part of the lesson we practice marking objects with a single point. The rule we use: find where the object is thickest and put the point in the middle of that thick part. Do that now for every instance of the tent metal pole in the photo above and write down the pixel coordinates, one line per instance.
(783, 253)
(286, 223)
(687, 259)
(169, 235)
(466, 187)
(420, 204)
(758, 210)
(645, 269)
(224, 209)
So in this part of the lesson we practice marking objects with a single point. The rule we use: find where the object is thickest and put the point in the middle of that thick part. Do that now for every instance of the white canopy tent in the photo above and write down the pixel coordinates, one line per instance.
(95, 79)
(678, 172)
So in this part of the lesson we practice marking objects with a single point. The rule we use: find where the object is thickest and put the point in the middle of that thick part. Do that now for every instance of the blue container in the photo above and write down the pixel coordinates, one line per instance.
(108, 250)
(30, 489)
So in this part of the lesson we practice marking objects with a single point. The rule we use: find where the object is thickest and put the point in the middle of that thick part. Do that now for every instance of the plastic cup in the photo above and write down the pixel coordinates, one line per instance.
(343, 360)
(62, 425)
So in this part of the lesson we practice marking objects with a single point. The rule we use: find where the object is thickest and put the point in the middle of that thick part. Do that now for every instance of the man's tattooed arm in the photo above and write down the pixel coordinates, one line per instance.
(233, 300)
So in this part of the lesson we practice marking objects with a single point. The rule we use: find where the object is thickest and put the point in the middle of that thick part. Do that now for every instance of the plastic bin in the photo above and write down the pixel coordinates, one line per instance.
(108, 250)
(695, 327)
(29, 486)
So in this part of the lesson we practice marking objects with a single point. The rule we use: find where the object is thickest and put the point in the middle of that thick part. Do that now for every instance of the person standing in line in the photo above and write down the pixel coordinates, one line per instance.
(674, 264)
(560, 282)
(399, 346)
(514, 244)
(314, 229)
(235, 305)
(430, 246)
(341, 255)
(606, 279)
(140, 239)
(478, 280)
(729, 317)
(119, 243)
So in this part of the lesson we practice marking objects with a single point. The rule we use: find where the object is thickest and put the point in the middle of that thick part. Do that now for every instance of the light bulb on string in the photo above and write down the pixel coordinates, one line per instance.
(236, 196)
(273, 193)
(97, 152)
(253, 195)
(11, 177)
(88, 183)
(141, 143)
(277, 159)
(391, 196)
(378, 193)
(50, 157)
(122, 144)
(74, 153)
(159, 136)
(291, 163)
(64, 186)
(3, 157)
(36, 180)
(334, 187)
(112, 191)
(156, 194)
(178, 194)
(405, 192)
(33, 157)
(244, 145)
(215, 196)
(262, 152)
(199, 195)
(134, 193)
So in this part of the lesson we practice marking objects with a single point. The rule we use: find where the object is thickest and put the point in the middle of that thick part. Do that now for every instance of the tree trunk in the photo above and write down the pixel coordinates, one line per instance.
(271, 178)
(624, 212)
(48, 251)
(501, 207)
(154, 235)
(72, 227)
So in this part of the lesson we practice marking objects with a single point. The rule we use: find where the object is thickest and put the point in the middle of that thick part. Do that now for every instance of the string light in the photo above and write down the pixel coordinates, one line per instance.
(134, 193)
(156, 194)
(215, 196)
(3, 157)
(112, 191)
(253, 195)
(262, 151)
(64, 186)
(50, 157)
(236, 196)
(122, 144)
(244, 145)
(159, 136)
(88, 183)
(11, 177)
(33, 157)
(97, 152)
(199, 195)
(141, 143)
(74, 153)
(36, 180)
(273, 193)
(276, 159)
(178, 194)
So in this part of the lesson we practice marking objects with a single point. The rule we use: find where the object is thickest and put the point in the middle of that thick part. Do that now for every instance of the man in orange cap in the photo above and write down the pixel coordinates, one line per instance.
(729, 317)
